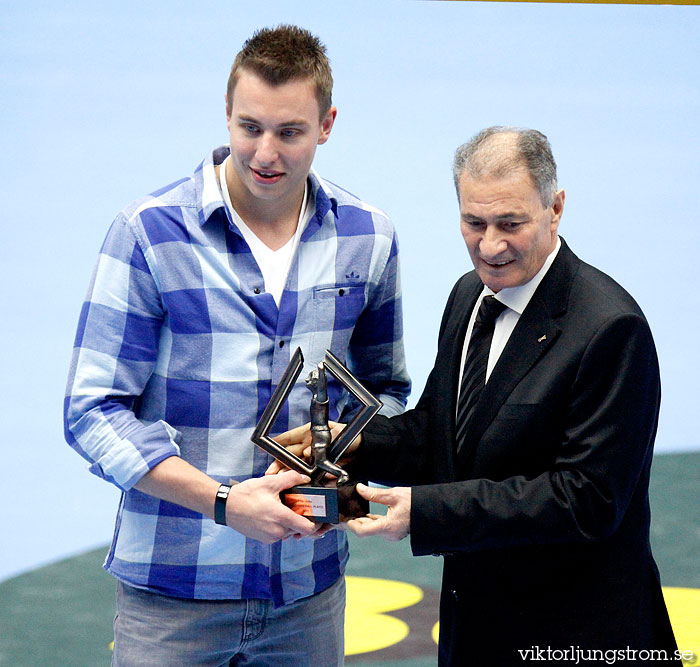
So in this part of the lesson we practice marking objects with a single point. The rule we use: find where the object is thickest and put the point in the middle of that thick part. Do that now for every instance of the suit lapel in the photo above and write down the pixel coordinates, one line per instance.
(531, 338)
(535, 333)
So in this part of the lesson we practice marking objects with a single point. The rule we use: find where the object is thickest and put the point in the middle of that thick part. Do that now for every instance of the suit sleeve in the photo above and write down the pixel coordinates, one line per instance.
(606, 446)
(396, 450)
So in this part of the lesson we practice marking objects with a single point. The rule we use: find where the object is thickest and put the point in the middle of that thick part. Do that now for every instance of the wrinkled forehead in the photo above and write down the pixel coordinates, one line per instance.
(513, 187)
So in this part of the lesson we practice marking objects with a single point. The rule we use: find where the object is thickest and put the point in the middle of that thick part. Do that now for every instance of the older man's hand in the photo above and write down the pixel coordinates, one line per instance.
(392, 526)
(298, 442)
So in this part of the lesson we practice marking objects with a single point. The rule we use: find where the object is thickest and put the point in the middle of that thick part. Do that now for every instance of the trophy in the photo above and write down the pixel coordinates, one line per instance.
(322, 500)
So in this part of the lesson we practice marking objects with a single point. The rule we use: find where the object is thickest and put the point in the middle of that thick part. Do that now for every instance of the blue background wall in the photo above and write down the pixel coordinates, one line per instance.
(105, 101)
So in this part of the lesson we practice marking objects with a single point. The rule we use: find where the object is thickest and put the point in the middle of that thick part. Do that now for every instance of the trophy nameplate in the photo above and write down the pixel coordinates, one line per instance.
(322, 500)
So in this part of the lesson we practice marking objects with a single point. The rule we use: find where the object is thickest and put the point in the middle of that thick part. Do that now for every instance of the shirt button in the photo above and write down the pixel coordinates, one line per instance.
(281, 343)
(257, 290)
(341, 291)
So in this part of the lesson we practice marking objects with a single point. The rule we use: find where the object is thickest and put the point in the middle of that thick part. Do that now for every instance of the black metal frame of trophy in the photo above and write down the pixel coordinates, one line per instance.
(321, 500)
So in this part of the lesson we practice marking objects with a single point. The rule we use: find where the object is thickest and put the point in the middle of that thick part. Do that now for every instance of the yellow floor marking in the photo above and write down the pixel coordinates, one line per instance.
(367, 627)
(683, 606)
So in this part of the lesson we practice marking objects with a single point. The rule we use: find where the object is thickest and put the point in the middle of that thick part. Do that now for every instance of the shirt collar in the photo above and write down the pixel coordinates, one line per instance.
(209, 193)
(517, 298)
(323, 196)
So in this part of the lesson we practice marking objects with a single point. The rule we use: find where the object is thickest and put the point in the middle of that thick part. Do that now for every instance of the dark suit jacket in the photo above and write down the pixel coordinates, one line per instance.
(543, 518)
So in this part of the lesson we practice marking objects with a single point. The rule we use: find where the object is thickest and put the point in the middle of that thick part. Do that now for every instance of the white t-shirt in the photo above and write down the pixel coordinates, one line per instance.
(274, 264)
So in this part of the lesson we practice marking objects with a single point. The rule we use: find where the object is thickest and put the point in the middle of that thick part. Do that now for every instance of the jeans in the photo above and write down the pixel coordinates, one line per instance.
(156, 630)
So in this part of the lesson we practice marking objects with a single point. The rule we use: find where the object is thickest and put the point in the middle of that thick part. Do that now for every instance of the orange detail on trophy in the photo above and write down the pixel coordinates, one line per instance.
(305, 505)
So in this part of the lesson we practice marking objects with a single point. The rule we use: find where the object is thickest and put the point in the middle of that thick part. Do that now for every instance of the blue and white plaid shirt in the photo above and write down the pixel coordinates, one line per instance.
(178, 351)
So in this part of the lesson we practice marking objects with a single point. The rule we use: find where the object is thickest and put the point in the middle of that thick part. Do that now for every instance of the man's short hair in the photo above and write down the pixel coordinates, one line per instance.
(498, 151)
(282, 54)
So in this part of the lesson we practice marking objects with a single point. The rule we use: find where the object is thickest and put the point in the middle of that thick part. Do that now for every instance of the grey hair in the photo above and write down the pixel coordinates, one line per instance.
(489, 155)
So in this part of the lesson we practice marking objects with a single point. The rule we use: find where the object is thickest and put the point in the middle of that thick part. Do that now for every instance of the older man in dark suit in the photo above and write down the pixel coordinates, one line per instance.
(526, 461)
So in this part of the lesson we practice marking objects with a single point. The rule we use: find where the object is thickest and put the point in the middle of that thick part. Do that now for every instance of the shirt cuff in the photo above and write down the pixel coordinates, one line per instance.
(127, 460)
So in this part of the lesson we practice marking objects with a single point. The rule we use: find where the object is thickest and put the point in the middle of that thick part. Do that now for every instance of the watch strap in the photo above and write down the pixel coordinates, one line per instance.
(220, 504)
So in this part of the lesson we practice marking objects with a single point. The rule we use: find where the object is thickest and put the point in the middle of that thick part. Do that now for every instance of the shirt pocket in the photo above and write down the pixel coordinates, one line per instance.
(336, 309)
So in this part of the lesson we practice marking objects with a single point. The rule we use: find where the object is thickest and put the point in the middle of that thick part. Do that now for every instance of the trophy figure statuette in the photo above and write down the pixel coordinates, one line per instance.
(322, 500)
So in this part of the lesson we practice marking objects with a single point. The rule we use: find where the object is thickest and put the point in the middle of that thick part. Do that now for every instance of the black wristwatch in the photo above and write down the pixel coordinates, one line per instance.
(220, 504)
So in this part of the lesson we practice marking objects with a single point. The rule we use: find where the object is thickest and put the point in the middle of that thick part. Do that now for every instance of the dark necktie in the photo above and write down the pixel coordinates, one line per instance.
(474, 375)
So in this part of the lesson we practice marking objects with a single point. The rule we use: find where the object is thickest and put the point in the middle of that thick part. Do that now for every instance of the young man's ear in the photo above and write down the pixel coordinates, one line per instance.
(327, 125)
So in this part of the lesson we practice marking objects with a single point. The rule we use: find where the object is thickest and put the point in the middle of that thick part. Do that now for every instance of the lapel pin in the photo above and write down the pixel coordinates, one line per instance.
(541, 338)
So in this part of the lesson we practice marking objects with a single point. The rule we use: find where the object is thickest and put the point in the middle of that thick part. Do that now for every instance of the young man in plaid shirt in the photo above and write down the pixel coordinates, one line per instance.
(201, 293)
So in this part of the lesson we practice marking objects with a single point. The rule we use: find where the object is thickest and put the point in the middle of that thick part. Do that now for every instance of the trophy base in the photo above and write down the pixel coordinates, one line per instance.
(326, 504)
